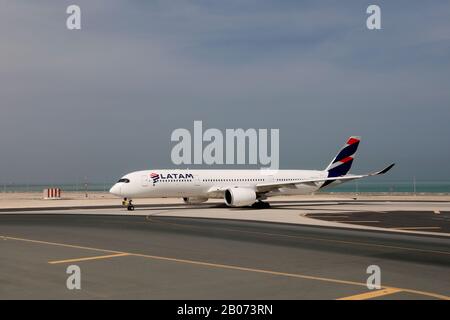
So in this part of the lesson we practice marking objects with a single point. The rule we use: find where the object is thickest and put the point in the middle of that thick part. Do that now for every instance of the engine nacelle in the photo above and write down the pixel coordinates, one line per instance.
(194, 200)
(239, 197)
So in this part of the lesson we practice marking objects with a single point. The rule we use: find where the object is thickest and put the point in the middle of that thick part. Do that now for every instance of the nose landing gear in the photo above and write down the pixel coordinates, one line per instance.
(128, 203)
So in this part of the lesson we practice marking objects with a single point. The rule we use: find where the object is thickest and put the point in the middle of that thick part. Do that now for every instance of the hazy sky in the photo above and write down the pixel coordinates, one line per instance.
(104, 100)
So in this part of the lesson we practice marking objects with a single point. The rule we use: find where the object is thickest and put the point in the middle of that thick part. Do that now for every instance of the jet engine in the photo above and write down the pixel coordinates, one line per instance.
(239, 197)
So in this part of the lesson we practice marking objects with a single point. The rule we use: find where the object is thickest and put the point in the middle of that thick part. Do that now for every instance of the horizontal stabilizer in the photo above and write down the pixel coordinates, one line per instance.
(266, 187)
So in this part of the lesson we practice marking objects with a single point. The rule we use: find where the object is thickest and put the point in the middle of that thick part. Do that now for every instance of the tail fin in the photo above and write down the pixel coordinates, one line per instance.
(342, 163)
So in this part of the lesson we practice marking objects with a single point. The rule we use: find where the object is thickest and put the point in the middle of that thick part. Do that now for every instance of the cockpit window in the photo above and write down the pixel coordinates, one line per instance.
(124, 180)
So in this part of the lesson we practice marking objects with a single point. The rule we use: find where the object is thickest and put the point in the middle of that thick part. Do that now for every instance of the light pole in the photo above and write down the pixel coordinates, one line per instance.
(414, 184)
(85, 187)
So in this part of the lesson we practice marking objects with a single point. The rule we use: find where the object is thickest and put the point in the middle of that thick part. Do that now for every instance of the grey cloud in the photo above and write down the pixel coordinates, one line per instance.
(104, 100)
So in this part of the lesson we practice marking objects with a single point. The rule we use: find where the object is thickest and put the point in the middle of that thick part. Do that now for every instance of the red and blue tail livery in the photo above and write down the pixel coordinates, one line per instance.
(343, 161)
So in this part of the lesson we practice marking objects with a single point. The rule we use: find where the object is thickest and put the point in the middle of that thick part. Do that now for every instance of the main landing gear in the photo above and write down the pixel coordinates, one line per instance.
(128, 203)
(261, 205)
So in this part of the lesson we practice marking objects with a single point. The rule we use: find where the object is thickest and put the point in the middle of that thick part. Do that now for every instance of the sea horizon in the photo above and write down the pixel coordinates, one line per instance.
(394, 186)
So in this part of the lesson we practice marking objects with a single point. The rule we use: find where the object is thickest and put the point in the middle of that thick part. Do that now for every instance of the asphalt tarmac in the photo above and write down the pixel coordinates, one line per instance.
(434, 221)
(153, 257)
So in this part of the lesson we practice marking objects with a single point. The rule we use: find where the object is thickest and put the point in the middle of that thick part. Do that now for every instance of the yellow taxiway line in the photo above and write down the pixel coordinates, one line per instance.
(90, 258)
(229, 267)
(372, 294)
(59, 244)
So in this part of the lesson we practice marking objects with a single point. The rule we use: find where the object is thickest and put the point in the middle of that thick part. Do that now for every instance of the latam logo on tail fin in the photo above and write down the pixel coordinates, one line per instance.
(346, 153)
(342, 163)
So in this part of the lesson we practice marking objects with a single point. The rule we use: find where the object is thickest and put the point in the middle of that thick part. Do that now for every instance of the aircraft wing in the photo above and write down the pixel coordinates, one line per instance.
(217, 192)
(267, 187)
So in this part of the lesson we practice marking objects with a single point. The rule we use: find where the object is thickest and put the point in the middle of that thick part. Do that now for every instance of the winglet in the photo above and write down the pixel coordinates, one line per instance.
(384, 170)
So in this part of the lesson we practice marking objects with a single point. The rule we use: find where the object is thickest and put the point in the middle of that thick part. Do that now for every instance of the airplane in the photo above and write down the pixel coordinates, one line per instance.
(239, 188)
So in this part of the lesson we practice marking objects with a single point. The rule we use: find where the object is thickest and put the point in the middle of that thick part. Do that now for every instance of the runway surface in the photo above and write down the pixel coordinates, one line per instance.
(438, 221)
(153, 257)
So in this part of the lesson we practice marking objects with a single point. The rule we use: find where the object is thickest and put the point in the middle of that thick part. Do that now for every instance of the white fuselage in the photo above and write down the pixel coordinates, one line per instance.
(210, 183)
(239, 188)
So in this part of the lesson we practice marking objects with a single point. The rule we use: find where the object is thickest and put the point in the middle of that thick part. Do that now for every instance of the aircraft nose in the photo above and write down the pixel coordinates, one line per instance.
(116, 190)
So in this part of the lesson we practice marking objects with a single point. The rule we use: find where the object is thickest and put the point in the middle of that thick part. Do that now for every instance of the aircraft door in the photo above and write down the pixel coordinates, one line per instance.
(197, 181)
(269, 176)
